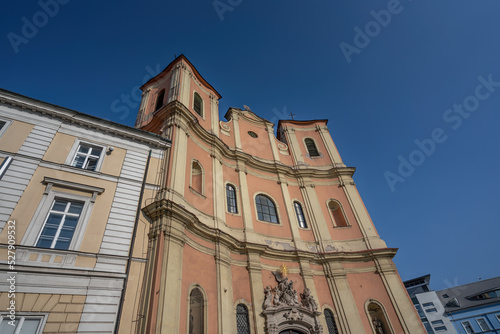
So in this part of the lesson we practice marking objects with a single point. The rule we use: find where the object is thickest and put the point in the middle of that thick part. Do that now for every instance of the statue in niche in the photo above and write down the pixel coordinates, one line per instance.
(377, 324)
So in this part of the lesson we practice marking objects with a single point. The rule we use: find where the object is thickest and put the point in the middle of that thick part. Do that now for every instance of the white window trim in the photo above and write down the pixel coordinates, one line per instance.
(308, 223)
(278, 216)
(74, 149)
(465, 329)
(43, 319)
(487, 324)
(6, 126)
(38, 221)
(343, 212)
(236, 192)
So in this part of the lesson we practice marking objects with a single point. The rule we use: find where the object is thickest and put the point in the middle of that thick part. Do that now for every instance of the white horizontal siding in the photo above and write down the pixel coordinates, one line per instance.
(37, 142)
(13, 184)
(119, 228)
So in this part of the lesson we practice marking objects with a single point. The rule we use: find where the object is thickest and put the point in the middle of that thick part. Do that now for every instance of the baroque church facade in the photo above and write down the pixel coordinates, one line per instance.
(257, 233)
(186, 223)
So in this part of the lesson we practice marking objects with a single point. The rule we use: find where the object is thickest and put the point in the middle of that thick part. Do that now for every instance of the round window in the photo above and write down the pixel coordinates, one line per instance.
(252, 134)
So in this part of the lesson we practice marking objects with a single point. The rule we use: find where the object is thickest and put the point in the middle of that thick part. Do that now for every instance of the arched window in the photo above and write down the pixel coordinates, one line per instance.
(196, 312)
(311, 147)
(300, 214)
(159, 99)
(266, 210)
(378, 318)
(231, 199)
(337, 214)
(198, 104)
(197, 177)
(242, 324)
(330, 322)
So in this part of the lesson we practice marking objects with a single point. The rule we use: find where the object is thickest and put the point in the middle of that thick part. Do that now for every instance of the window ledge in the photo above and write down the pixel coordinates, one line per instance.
(196, 192)
(265, 222)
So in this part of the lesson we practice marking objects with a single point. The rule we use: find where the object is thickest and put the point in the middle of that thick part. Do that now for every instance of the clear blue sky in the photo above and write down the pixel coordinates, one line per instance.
(286, 55)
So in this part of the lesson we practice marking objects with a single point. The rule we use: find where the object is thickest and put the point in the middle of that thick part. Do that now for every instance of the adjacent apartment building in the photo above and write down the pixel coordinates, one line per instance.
(465, 309)
(187, 223)
(70, 190)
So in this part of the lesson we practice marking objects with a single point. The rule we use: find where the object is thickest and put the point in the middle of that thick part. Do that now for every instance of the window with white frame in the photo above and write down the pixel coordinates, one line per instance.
(483, 324)
(61, 217)
(22, 324)
(467, 327)
(4, 124)
(60, 224)
(87, 156)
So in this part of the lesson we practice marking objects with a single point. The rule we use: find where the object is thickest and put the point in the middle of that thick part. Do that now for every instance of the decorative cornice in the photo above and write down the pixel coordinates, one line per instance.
(183, 116)
(75, 117)
(164, 208)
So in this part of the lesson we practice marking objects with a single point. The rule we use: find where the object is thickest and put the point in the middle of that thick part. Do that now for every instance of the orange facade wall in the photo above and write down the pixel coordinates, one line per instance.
(206, 120)
(203, 202)
(260, 146)
(241, 284)
(233, 219)
(273, 189)
(199, 268)
(323, 291)
(325, 193)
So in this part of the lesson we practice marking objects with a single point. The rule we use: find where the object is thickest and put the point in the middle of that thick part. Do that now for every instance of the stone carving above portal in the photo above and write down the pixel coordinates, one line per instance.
(283, 310)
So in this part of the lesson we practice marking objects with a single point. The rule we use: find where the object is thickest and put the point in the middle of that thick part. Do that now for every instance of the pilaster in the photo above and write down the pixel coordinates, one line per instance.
(171, 279)
(246, 209)
(218, 190)
(333, 153)
(293, 144)
(345, 306)
(236, 125)
(214, 114)
(290, 211)
(226, 323)
(315, 213)
(257, 289)
(365, 223)
(272, 141)
(179, 154)
(398, 295)
(185, 97)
